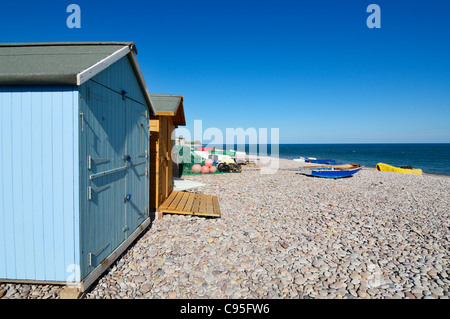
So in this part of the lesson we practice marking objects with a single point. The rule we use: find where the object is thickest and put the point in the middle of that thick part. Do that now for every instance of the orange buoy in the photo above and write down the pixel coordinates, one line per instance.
(205, 170)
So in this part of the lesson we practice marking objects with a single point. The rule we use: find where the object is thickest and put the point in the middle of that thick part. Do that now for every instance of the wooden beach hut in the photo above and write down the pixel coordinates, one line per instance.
(74, 152)
(169, 114)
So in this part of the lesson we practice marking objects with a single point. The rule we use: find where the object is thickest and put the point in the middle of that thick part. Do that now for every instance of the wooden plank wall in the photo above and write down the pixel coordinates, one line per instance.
(39, 182)
(161, 164)
(154, 162)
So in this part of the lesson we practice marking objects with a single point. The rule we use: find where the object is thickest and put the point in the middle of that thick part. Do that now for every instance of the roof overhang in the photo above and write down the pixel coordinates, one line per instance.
(176, 112)
(110, 52)
(102, 65)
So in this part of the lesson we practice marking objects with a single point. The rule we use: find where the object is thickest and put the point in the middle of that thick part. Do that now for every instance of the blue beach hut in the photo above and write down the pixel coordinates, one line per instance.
(74, 157)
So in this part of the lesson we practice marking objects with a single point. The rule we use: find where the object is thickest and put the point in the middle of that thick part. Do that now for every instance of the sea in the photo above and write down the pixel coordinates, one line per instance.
(431, 158)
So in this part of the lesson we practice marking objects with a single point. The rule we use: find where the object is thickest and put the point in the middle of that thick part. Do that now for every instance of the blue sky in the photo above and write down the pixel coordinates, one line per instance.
(313, 69)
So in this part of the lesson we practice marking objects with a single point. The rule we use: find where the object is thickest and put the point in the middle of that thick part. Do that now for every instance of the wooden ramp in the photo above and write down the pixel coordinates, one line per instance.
(191, 204)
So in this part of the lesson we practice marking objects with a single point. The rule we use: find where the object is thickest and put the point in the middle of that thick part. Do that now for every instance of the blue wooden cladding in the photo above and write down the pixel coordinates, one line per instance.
(69, 157)
(113, 160)
(38, 182)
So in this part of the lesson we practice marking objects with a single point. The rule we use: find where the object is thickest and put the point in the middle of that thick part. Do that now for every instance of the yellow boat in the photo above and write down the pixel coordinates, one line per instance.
(389, 168)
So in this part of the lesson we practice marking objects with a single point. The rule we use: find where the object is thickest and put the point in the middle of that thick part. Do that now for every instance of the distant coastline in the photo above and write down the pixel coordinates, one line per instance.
(432, 158)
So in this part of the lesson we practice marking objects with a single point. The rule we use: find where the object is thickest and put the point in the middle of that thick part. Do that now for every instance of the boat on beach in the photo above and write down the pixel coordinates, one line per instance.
(331, 171)
(314, 160)
(404, 170)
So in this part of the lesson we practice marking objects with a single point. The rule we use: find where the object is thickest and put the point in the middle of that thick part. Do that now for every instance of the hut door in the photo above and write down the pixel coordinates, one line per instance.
(170, 160)
(164, 160)
(103, 138)
(115, 138)
(137, 179)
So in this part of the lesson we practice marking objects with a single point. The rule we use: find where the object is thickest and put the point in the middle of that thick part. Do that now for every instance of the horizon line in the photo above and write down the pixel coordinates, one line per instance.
(330, 143)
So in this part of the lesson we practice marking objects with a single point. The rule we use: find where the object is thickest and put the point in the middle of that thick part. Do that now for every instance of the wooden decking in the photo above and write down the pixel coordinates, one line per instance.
(191, 204)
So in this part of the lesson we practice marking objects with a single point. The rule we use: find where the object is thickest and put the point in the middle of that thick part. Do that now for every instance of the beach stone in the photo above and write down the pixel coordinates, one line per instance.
(146, 287)
(139, 279)
(303, 261)
(355, 275)
(300, 280)
(362, 293)
(10, 292)
(409, 295)
(356, 281)
(229, 291)
(159, 272)
(209, 278)
(437, 291)
(318, 263)
(172, 295)
(246, 265)
(152, 253)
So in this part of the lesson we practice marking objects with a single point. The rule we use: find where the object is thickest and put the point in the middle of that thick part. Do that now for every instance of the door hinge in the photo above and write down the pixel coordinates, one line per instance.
(144, 154)
(98, 252)
(82, 121)
(89, 193)
(126, 228)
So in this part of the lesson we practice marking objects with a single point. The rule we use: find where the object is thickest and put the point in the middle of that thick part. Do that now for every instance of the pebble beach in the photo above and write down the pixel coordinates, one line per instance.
(376, 235)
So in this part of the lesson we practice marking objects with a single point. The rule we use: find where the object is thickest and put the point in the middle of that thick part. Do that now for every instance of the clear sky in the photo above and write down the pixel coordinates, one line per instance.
(313, 69)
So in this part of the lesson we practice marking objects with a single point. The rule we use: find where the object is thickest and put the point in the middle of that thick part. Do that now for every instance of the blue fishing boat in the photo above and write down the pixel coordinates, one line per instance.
(331, 171)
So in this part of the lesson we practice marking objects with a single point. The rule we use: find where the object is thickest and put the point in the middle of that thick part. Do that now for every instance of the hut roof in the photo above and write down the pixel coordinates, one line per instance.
(169, 105)
(67, 63)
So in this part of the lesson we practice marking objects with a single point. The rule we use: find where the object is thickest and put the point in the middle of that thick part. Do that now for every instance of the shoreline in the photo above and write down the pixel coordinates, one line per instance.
(268, 157)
